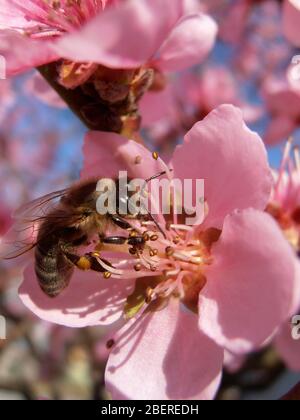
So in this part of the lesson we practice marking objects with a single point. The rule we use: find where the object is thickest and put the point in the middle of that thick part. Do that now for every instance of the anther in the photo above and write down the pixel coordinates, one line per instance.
(107, 275)
(176, 240)
(153, 268)
(153, 252)
(170, 251)
(154, 238)
(155, 155)
(146, 236)
(138, 267)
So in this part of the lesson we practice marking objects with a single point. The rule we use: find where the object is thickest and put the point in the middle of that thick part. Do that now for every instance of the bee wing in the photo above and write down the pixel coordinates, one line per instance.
(22, 237)
(39, 207)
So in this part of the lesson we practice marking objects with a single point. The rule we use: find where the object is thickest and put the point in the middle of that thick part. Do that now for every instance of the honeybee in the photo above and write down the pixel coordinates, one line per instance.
(59, 223)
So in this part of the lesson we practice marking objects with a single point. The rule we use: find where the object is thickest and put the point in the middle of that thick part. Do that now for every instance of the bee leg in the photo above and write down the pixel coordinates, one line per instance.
(114, 240)
(134, 241)
(88, 262)
(137, 241)
(122, 223)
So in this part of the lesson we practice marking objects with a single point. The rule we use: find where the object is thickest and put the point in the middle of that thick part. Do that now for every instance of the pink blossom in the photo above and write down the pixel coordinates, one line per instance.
(284, 206)
(188, 98)
(244, 19)
(215, 87)
(284, 203)
(204, 288)
(39, 158)
(283, 103)
(256, 30)
(291, 18)
(104, 33)
(234, 23)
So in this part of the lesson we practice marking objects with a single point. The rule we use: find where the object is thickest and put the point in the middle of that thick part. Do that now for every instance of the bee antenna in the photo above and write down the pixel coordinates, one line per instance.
(157, 176)
(149, 214)
(156, 224)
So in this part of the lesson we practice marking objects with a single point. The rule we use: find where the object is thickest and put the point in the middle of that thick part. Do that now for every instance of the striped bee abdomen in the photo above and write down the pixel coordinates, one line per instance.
(52, 268)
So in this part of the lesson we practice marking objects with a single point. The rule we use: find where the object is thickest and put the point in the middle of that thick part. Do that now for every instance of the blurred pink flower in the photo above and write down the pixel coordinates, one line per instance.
(38, 157)
(217, 86)
(285, 208)
(242, 19)
(234, 22)
(116, 34)
(7, 98)
(190, 97)
(291, 19)
(284, 203)
(283, 103)
(38, 87)
(214, 286)
(255, 28)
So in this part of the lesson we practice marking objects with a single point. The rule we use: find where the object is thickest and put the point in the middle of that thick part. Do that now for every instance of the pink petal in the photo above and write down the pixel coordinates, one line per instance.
(224, 152)
(296, 295)
(163, 356)
(11, 16)
(22, 53)
(288, 348)
(193, 6)
(251, 113)
(126, 36)
(189, 43)
(250, 285)
(280, 129)
(217, 86)
(282, 99)
(291, 19)
(158, 106)
(89, 300)
(105, 154)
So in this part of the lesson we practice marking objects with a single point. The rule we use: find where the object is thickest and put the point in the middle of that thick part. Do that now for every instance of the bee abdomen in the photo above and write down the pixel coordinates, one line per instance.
(52, 268)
